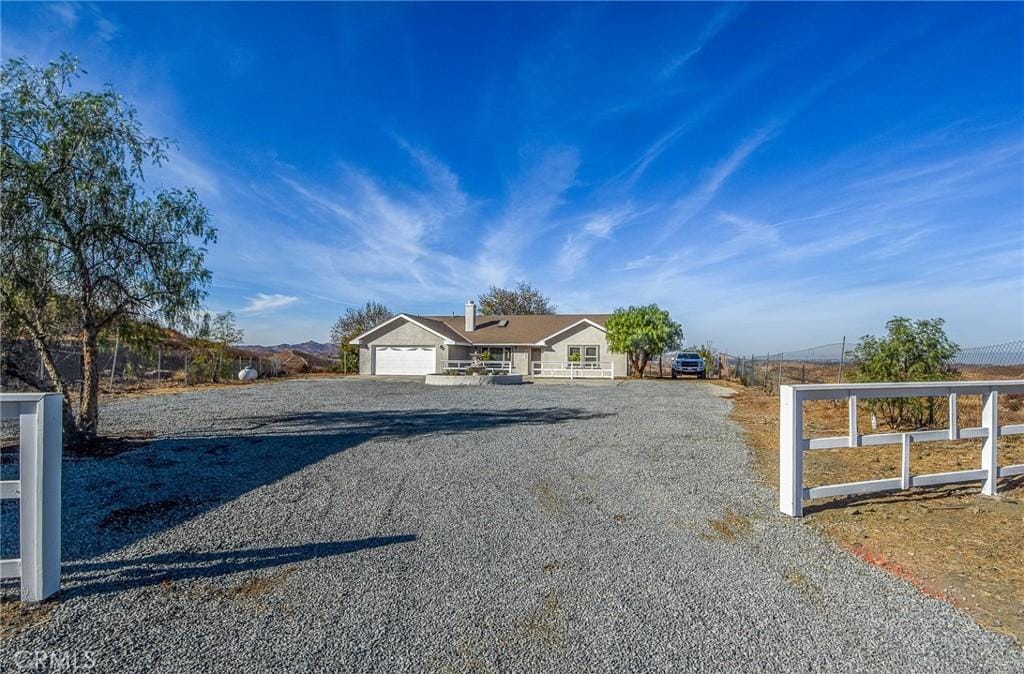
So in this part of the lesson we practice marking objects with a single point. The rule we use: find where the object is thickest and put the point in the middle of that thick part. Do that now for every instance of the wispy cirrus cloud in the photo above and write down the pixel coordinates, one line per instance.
(689, 205)
(597, 226)
(264, 303)
(720, 20)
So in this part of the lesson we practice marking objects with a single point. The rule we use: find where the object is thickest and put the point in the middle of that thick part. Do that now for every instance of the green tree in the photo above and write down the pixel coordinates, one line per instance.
(642, 332)
(84, 247)
(707, 354)
(224, 333)
(910, 351)
(521, 300)
(354, 322)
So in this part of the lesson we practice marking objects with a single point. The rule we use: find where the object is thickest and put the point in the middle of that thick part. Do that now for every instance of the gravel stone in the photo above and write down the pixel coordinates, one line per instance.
(358, 525)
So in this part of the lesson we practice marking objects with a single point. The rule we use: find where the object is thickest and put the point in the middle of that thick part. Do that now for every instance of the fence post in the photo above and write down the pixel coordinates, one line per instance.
(954, 428)
(791, 461)
(842, 357)
(159, 362)
(186, 368)
(905, 464)
(782, 357)
(113, 364)
(989, 454)
(40, 463)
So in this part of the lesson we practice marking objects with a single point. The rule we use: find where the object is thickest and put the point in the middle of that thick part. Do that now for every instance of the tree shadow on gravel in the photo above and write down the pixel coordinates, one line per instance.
(168, 569)
(113, 502)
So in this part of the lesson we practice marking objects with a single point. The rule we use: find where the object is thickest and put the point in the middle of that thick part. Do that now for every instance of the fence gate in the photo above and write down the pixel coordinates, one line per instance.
(40, 450)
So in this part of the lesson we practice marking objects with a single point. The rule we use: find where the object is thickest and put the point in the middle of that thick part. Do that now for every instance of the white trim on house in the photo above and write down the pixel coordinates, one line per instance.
(447, 340)
(582, 321)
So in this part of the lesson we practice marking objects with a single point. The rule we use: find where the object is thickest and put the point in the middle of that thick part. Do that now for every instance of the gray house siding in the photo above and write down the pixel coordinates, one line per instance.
(406, 333)
(557, 349)
(401, 333)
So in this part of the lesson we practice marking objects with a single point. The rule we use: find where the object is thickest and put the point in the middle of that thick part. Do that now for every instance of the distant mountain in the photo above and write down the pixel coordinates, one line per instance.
(315, 348)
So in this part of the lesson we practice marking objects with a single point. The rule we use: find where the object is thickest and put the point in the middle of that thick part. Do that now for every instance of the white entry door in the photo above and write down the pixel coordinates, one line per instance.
(405, 360)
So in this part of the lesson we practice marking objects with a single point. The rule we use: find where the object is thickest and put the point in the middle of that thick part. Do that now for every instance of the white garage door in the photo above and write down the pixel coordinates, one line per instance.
(405, 360)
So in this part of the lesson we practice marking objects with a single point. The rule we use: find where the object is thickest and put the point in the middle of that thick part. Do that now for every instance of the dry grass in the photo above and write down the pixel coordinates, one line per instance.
(729, 528)
(178, 385)
(950, 542)
(547, 623)
(16, 616)
(251, 588)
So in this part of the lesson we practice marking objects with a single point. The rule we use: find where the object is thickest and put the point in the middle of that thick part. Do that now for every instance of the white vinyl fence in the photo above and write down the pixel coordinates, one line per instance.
(491, 366)
(793, 444)
(38, 489)
(572, 369)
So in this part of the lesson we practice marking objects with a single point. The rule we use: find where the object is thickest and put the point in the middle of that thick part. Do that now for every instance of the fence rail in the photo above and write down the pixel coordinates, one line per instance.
(489, 365)
(573, 370)
(793, 444)
(40, 449)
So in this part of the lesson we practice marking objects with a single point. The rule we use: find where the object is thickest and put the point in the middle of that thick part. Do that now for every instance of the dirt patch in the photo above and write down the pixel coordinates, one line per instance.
(729, 528)
(620, 518)
(548, 498)
(551, 567)
(254, 587)
(16, 617)
(547, 623)
(950, 542)
(258, 586)
(803, 584)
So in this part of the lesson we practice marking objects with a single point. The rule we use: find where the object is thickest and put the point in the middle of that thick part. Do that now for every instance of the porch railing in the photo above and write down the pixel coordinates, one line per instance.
(573, 370)
(492, 366)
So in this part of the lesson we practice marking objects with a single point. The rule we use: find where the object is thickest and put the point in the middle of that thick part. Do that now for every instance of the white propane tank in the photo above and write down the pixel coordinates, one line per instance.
(247, 374)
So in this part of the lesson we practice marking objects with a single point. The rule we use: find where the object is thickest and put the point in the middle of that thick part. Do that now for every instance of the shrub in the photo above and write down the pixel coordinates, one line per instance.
(910, 351)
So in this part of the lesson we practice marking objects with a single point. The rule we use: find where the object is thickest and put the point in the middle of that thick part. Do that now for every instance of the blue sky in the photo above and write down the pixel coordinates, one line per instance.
(777, 176)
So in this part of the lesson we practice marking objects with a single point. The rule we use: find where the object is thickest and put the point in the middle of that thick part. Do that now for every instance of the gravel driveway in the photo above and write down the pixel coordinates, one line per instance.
(353, 525)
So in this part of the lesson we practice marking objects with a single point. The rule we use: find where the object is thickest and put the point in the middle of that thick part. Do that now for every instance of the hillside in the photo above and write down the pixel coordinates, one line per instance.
(311, 347)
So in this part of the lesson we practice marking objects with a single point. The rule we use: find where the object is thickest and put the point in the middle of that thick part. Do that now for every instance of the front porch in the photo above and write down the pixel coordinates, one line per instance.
(535, 368)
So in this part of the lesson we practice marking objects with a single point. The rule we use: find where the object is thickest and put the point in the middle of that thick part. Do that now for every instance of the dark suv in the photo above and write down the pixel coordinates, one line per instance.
(688, 363)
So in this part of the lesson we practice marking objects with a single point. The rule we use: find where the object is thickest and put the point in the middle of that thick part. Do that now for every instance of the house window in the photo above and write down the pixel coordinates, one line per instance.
(586, 354)
(497, 352)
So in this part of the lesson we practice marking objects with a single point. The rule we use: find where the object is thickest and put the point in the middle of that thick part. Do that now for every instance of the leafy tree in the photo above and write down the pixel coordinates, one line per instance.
(224, 334)
(910, 351)
(707, 354)
(224, 331)
(521, 300)
(84, 247)
(211, 344)
(354, 322)
(642, 332)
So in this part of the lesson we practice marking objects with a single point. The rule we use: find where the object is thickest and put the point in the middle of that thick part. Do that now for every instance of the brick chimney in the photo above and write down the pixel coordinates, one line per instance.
(470, 316)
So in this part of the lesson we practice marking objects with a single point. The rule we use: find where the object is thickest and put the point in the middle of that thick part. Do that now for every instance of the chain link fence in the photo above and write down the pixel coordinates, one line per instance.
(830, 363)
(123, 370)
